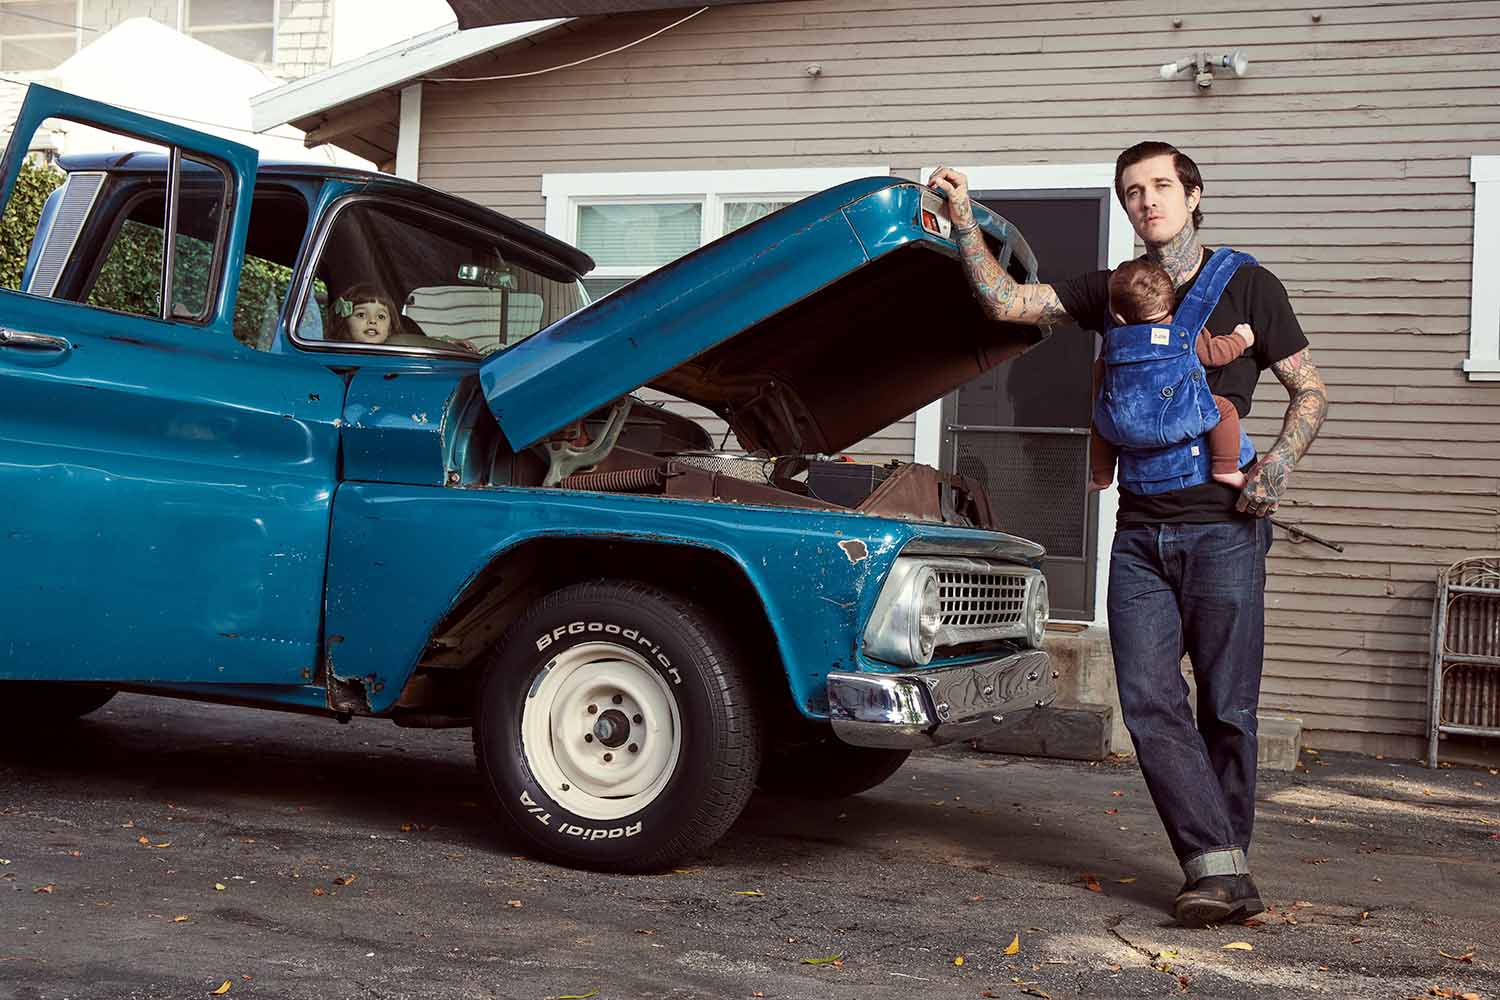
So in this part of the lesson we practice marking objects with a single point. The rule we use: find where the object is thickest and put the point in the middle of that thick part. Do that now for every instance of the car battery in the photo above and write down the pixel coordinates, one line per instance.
(845, 483)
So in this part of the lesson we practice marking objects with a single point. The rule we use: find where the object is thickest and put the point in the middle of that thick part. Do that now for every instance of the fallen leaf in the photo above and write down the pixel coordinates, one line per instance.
(1111, 812)
(958, 960)
(221, 990)
(1315, 861)
(46, 889)
(1117, 794)
(179, 920)
(1090, 882)
(514, 904)
(4, 861)
(319, 891)
(1127, 880)
(166, 843)
(1356, 939)
(143, 841)
(757, 993)
(644, 930)
(218, 887)
(1252, 922)
(1467, 957)
(748, 892)
(1239, 946)
(344, 879)
(825, 960)
(578, 996)
(1113, 966)
(1034, 992)
(1014, 946)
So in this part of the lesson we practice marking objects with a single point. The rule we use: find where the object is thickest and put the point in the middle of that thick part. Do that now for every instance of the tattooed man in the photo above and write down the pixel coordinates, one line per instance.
(1188, 568)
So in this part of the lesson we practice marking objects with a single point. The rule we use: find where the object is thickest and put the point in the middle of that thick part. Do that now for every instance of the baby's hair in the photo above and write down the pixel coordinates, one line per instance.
(338, 328)
(1140, 291)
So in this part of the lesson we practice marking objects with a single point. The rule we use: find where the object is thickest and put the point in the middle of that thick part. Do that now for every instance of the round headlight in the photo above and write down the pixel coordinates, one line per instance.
(929, 616)
(1038, 610)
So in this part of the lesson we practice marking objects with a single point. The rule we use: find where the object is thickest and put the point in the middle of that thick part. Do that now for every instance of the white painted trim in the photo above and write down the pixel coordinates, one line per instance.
(409, 136)
(928, 446)
(564, 192)
(1483, 362)
(1120, 247)
(385, 68)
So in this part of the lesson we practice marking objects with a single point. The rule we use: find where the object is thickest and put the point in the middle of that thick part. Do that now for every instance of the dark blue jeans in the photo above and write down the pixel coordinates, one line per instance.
(1198, 589)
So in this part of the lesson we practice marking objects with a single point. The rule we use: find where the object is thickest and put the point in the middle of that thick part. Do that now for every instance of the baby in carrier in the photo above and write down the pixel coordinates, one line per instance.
(1141, 292)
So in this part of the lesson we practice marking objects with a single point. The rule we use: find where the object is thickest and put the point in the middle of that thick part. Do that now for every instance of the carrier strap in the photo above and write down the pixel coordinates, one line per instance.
(1209, 287)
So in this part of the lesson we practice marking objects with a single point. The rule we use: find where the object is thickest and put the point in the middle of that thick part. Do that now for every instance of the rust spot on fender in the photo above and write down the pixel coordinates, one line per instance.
(856, 550)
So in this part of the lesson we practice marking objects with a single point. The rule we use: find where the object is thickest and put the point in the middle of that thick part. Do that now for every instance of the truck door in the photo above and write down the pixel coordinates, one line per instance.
(166, 488)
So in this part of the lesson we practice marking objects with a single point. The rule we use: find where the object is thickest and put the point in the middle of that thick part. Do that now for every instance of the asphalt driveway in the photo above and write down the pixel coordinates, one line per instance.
(161, 849)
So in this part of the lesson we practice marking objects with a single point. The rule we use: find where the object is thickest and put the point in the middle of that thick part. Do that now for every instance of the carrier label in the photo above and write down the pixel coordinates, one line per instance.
(1160, 336)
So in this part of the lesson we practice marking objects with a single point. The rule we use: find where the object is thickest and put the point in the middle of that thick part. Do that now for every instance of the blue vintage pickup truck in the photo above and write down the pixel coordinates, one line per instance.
(326, 441)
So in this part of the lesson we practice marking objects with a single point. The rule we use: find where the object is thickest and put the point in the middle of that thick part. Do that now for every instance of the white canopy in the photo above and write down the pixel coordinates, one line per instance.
(145, 66)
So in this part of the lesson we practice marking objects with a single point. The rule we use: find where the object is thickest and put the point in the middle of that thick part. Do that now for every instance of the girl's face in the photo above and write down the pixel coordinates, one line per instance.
(370, 323)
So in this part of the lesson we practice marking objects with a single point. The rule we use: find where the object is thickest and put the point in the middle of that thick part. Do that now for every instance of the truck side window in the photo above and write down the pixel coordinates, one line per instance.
(129, 279)
(87, 222)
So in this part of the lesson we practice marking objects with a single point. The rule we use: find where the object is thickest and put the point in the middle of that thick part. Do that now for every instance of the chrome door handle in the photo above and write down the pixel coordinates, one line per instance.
(25, 341)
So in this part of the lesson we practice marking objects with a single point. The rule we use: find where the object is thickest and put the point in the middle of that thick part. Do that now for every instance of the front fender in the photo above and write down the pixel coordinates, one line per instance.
(401, 556)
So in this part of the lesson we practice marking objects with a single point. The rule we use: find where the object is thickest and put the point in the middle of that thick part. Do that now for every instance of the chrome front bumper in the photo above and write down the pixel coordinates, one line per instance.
(927, 708)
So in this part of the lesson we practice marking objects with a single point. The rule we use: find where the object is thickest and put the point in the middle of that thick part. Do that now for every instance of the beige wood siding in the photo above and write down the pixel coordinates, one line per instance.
(1341, 161)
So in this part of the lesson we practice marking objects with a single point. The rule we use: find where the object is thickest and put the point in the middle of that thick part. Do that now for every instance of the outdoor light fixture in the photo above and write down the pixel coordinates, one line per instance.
(1203, 64)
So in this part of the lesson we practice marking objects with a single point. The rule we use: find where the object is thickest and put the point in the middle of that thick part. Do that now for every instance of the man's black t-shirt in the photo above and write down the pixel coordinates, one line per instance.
(1254, 296)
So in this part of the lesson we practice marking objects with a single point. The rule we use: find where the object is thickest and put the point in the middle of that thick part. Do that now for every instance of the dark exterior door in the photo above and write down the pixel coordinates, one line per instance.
(1022, 428)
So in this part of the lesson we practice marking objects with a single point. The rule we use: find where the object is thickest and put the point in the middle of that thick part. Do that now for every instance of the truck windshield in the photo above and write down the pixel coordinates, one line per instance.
(397, 277)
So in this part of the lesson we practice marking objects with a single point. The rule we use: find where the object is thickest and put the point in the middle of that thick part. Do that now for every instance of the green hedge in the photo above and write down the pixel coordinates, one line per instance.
(35, 182)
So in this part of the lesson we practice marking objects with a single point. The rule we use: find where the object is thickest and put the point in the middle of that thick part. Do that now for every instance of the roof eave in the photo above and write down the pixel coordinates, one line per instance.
(384, 69)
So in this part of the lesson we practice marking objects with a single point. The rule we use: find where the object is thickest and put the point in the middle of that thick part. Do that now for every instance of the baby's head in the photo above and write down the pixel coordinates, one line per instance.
(365, 315)
(1141, 292)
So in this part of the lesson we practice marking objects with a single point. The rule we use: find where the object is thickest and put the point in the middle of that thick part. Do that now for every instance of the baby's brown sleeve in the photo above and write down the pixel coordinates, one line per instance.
(1216, 352)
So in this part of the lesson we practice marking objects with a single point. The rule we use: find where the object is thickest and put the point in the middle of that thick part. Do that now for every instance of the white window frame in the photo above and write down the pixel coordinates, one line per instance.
(1120, 240)
(566, 193)
(1483, 362)
(43, 32)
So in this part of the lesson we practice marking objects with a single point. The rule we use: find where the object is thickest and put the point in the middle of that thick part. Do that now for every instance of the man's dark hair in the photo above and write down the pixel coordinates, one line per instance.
(1187, 170)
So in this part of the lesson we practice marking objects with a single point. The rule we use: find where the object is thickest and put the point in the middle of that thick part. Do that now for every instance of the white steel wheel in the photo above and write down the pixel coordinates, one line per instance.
(601, 731)
(615, 728)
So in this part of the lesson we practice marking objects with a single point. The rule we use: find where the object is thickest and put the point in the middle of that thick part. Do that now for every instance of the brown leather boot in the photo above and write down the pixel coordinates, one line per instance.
(1217, 899)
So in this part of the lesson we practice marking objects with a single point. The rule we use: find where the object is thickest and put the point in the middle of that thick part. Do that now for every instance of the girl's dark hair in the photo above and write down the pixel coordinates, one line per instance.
(1140, 291)
(1187, 170)
(334, 327)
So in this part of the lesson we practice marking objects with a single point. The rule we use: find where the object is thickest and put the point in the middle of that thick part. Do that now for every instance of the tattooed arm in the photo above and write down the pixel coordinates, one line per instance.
(1001, 297)
(1272, 475)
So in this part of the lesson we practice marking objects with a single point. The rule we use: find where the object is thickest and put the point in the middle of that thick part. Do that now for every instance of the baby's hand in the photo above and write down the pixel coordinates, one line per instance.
(1246, 334)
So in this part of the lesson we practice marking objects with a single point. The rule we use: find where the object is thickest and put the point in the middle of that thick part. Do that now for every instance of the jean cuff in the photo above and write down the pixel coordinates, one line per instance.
(1223, 861)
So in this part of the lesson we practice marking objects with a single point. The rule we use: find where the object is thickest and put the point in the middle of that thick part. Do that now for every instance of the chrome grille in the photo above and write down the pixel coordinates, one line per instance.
(981, 600)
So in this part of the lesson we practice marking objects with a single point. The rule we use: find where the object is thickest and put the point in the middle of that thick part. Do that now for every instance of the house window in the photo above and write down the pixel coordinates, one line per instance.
(245, 29)
(629, 239)
(633, 223)
(1483, 362)
(37, 34)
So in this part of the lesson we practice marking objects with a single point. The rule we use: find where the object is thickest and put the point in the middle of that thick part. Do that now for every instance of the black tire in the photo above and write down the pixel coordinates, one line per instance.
(827, 769)
(673, 652)
(34, 706)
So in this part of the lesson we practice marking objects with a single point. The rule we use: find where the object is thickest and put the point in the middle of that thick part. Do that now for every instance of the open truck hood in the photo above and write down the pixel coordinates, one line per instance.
(807, 331)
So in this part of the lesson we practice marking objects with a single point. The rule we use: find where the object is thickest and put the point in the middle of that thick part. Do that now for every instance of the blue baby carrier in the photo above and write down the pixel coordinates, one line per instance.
(1155, 404)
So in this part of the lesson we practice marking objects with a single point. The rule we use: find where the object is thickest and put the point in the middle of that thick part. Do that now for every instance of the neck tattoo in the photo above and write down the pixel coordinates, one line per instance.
(1180, 256)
